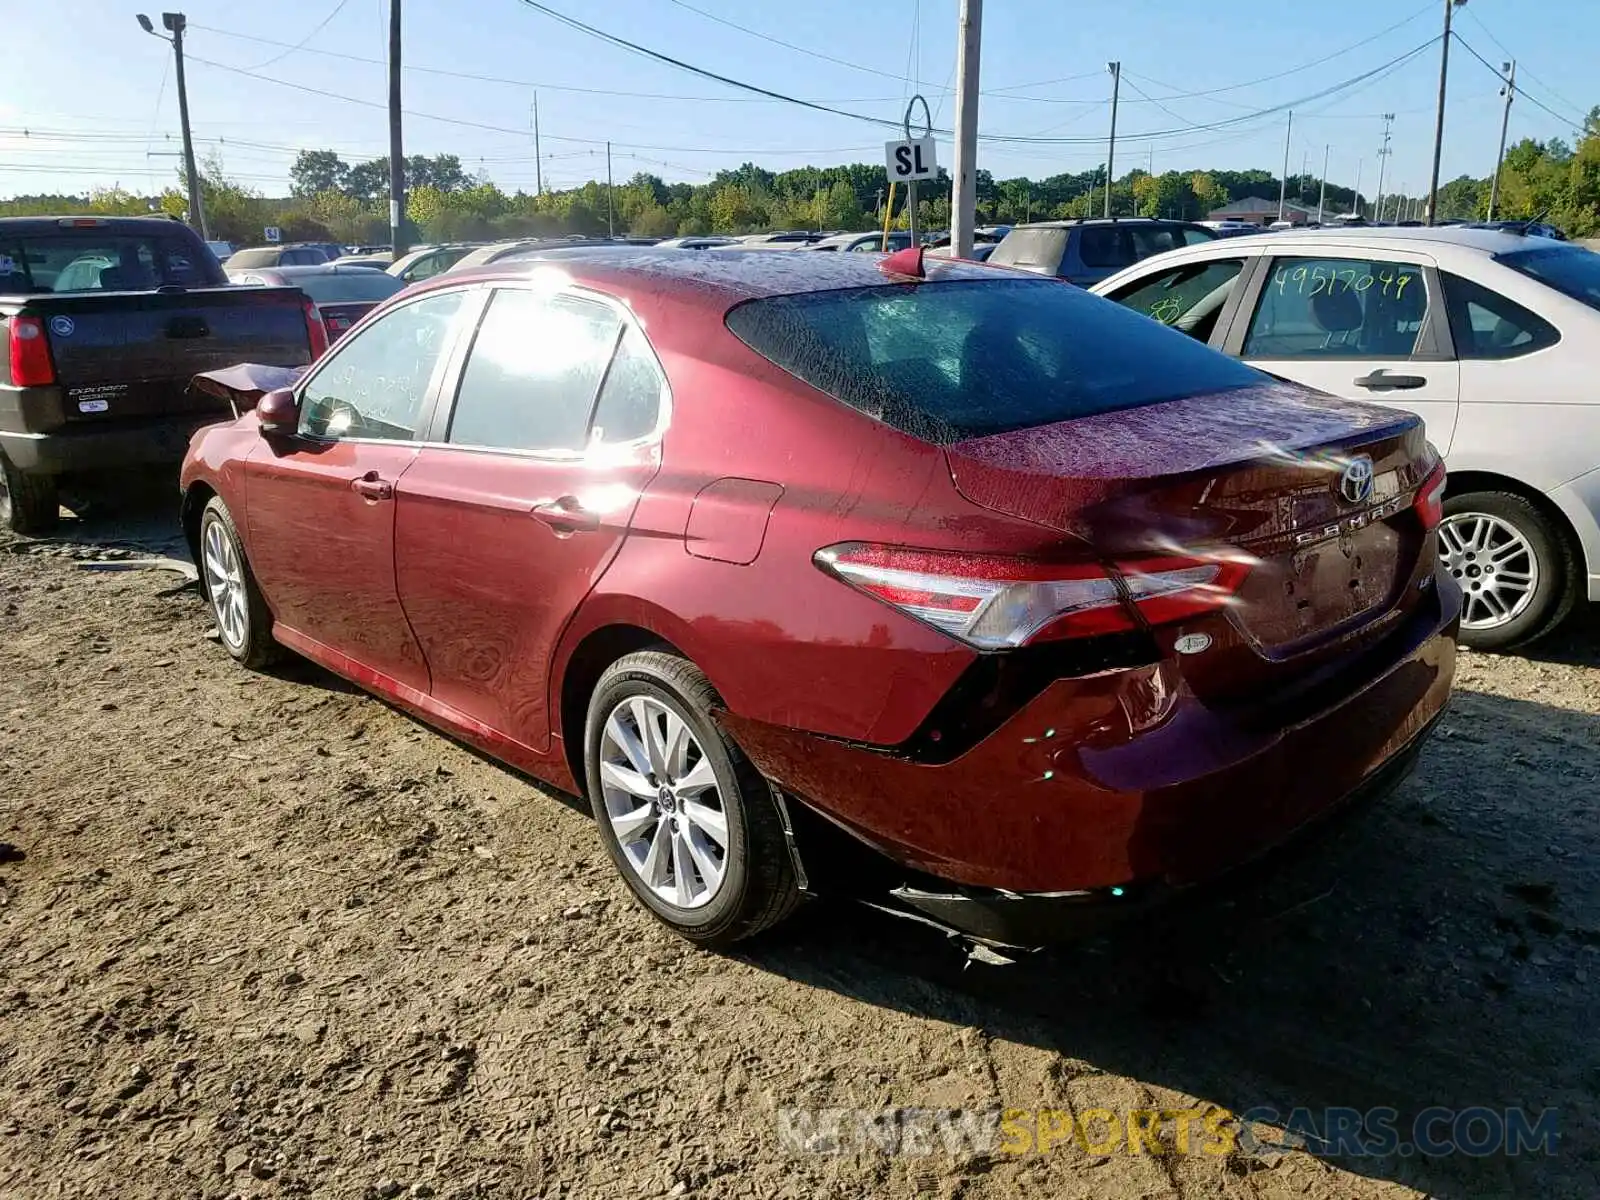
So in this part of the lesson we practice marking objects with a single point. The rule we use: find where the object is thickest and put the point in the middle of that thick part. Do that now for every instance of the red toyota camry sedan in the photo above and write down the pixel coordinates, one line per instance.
(1035, 607)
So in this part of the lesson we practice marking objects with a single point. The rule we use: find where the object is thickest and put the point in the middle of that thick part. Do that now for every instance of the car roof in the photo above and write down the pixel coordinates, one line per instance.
(1404, 237)
(728, 277)
(35, 225)
(1070, 222)
(844, 239)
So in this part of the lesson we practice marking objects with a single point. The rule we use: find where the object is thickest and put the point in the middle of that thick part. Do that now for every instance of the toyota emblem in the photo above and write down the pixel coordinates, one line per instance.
(1355, 484)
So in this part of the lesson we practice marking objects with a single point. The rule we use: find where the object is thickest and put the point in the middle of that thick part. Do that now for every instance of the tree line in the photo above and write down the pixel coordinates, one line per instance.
(334, 200)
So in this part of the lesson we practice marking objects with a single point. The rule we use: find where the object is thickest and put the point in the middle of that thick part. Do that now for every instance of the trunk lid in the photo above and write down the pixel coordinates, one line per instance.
(1311, 492)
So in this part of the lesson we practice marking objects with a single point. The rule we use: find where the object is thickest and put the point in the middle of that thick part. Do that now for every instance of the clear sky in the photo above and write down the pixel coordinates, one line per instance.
(98, 97)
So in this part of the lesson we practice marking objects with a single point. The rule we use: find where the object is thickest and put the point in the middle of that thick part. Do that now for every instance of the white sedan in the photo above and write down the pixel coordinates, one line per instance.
(1493, 338)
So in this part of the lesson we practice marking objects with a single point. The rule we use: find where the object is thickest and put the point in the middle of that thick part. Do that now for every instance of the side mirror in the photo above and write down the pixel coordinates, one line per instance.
(278, 412)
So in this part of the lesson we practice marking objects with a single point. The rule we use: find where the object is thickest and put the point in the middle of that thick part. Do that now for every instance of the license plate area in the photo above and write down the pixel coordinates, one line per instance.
(1321, 586)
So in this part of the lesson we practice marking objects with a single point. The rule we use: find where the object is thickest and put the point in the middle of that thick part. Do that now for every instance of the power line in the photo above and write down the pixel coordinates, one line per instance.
(1235, 87)
(300, 45)
(659, 56)
(1529, 74)
(518, 83)
(776, 41)
(1521, 91)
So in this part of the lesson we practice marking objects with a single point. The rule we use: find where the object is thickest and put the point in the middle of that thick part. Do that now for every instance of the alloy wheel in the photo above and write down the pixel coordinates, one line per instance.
(225, 585)
(1495, 564)
(664, 801)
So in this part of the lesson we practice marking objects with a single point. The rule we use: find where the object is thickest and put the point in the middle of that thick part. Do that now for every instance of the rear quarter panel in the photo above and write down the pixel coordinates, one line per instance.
(781, 641)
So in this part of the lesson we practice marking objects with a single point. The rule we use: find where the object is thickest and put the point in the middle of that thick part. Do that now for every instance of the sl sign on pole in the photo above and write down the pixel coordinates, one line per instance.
(910, 159)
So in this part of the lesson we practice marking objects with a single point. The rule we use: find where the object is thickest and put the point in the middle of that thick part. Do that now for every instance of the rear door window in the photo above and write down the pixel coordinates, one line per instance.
(630, 401)
(1486, 325)
(949, 360)
(1037, 250)
(1189, 298)
(1105, 246)
(1338, 308)
(533, 371)
(1155, 239)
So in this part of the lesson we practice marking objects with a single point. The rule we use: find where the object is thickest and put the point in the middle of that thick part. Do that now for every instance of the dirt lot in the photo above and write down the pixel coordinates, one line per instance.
(263, 936)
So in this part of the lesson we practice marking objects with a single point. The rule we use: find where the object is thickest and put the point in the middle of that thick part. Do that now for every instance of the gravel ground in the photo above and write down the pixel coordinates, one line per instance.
(261, 935)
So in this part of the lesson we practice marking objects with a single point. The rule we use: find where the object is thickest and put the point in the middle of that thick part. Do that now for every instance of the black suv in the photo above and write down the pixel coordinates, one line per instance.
(1085, 252)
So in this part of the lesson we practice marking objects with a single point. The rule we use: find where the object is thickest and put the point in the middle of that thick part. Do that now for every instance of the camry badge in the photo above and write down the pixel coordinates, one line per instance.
(1355, 484)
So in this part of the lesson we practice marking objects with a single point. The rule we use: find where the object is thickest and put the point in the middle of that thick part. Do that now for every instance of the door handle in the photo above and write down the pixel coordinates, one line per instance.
(370, 487)
(1382, 381)
(566, 515)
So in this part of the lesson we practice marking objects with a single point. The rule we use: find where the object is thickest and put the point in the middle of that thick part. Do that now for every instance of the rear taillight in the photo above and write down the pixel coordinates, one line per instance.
(993, 602)
(31, 364)
(1430, 499)
(316, 331)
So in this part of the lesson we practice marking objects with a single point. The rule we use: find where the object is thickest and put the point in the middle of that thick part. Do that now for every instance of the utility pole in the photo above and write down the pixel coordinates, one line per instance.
(1305, 173)
(1383, 162)
(1509, 91)
(1355, 201)
(1283, 186)
(1438, 124)
(175, 23)
(611, 225)
(397, 154)
(964, 181)
(1322, 196)
(538, 161)
(1111, 148)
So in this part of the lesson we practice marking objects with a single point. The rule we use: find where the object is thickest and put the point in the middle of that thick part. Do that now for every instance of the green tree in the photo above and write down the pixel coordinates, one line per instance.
(317, 171)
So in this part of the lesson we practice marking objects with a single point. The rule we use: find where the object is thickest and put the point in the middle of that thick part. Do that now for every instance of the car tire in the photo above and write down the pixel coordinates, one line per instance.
(29, 504)
(665, 845)
(1514, 565)
(244, 622)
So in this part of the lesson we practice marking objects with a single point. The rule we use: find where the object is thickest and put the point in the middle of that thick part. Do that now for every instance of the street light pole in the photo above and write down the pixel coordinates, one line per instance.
(964, 167)
(1355, 201)
(1383, 162)
(1111, 147)
(1283, 186)
(1508, 91)
(1438, 124)
(1322, 195)
(175, 23)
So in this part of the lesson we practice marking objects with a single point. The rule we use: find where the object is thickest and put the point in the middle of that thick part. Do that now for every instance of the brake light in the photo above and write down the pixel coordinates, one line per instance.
(994, 602)
(1430, 499)
(316, 331)
(31, 364)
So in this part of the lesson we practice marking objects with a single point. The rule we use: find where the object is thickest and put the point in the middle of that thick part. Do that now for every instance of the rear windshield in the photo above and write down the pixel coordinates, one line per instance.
(360, 285)
(1571, 270)
(93, 261)
(950, 360)
(1032, 249)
